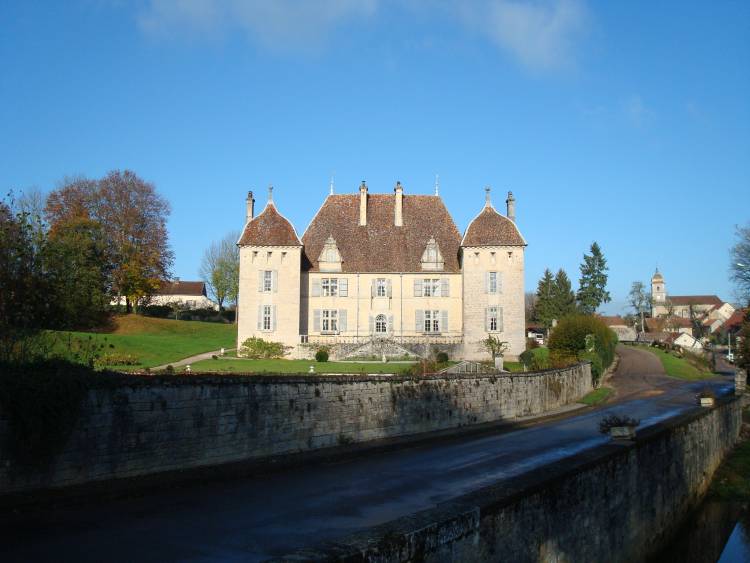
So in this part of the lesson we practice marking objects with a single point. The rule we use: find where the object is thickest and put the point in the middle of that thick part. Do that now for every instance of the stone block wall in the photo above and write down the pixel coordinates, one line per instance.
(617, 502)
(134, 430)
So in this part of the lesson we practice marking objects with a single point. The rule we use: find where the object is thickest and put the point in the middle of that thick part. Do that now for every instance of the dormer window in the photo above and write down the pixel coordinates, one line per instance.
(432, 259)
(330, 258)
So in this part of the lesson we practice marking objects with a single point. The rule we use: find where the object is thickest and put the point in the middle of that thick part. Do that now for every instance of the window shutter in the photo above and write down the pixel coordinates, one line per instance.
(373, 286)
(316, 288)
(499, 282)
(487, 282)
(260, 317)
(342, 320)
(487, 319)
(372, 325)
(443, 321)
(343, 287)
(390, 324)
(500, 319)
(273, 317)
(316, 320)
(260, 280)
(418, 288)
(419, 320)
(388, 288)
(445, 287)
(274, 280)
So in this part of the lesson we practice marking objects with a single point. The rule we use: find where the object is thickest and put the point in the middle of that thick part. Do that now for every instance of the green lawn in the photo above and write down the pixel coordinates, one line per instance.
(295, 366)
(513, 367)
(678, 367)
(159, 341)
(597, 396)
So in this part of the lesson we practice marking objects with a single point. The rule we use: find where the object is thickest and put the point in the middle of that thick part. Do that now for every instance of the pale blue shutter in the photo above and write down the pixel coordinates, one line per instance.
(372, 325)
(373, 288)
(316, 320)
(499, 282)
(418, 288)
(445, 287)
(500, 319)
(343, 287)
(274, 281)
(316, 288)
(260, 317)
(390, 324)
(342, 320)
(487, 282)
(273, 317)
(419, 320)
(388, 287)
(443, 321)
(487, 317)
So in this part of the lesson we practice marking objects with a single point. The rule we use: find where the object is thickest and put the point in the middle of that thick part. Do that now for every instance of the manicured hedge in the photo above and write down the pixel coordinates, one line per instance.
(569, 339)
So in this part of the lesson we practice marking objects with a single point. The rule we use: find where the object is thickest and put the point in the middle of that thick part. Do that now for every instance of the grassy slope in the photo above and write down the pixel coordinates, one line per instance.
(296, 366)
(597, 396)
(160, 341)
(678, 367)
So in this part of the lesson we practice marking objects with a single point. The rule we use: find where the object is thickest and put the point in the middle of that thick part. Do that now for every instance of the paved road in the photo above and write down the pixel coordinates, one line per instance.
(252, 519)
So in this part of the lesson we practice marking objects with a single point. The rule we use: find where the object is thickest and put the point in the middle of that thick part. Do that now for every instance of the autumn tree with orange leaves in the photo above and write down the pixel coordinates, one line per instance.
(133, 221)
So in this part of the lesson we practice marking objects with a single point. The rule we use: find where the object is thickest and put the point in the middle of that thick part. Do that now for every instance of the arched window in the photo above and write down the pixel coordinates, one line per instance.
(381, 325)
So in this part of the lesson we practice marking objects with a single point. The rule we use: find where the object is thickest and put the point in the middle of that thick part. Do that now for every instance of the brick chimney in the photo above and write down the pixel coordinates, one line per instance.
(250, 206)
(399, 207)
(362, 204)
(511, 207)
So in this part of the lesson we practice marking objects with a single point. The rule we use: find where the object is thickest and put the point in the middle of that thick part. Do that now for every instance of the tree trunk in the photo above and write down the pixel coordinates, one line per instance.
(128, 305)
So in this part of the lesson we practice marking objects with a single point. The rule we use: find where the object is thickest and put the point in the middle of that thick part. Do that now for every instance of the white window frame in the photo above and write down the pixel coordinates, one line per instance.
(329, 321)
(492, 283)
(381, 324)
(381, 287)
(431, 321)
(493, 319)
(267, 318)
(267, 281)
(329, 287)
(431, 287)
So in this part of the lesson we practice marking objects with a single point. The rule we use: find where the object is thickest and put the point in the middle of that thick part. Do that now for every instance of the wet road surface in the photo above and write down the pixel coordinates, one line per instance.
(255, 518)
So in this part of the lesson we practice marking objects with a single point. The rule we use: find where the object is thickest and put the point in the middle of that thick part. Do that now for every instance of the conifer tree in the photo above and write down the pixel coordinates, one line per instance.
(593, 283)
(564, 298)
(544, 311)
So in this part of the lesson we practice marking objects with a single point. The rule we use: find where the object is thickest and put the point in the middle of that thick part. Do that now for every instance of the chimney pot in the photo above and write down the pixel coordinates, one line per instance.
(511, 207)
(363, 204)
(399, 205)
(250, 202)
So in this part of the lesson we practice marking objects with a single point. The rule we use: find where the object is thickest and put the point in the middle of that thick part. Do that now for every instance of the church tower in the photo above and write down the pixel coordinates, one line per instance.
(658, 294)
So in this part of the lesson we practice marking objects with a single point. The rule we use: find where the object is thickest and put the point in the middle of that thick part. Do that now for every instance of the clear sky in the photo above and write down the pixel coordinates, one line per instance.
(627, 123)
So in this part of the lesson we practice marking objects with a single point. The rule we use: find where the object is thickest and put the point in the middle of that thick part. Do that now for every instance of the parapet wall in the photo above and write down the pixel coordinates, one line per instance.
(133, 430)
(618, 502)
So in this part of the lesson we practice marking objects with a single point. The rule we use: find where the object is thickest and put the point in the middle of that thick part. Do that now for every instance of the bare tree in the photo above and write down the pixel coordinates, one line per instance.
(220, 269)
(530, 305)
(640, 300)
(740, 263)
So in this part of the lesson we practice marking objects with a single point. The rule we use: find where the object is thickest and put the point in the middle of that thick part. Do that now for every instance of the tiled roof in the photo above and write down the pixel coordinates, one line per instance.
(196, 288)
(269, 228)
(660, 324)
(695, 300)
(380, 246)
(736, 320)
(489, 228)
(613, 321)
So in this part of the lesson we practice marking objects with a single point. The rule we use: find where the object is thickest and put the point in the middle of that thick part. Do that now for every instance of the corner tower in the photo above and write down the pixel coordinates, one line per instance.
(270, 271)
(492, 265)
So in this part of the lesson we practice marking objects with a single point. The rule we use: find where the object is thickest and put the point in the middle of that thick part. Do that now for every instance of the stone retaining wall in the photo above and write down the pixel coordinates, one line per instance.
(129, 431)
(618, 502)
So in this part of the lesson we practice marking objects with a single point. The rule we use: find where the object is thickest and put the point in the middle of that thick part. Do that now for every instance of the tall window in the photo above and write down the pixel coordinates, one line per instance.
(329, 287)
(431, 288)
(381, 288)
(267, 281)
(330, 320)
(267, 317)
(381, 325)
(492, 282)
(432, 321)
(492, 319)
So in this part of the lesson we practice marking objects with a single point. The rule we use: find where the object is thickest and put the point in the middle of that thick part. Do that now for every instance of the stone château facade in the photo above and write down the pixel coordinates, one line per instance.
(382, 274)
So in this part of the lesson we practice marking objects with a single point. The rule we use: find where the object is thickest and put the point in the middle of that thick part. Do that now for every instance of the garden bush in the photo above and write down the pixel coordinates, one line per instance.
(117, 359)
(321, 355)
(442, 357)
(569, 341)
(257, 349)
(536, 359)
(158, 311)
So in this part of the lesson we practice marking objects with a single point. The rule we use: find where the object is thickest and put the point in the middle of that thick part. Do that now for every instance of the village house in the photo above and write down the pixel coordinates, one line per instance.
(183, 294)
(383, 275)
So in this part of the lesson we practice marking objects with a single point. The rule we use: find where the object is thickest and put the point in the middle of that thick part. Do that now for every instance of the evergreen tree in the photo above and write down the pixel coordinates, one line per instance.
(592, 285)
(563, 297)
(544, 310)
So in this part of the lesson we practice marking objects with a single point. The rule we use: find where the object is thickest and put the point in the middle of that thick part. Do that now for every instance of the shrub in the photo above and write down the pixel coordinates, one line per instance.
(169, 369)
(613, 420)
(531, 343)
(116, 359)
(158, 311)
(321, 355)
(536, 359)
(229, 315)
(257, 348)
(442, 357)
(424, 367)
(579, 336)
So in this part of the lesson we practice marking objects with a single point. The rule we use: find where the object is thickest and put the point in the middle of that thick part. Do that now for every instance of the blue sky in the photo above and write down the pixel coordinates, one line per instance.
(627, 123)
